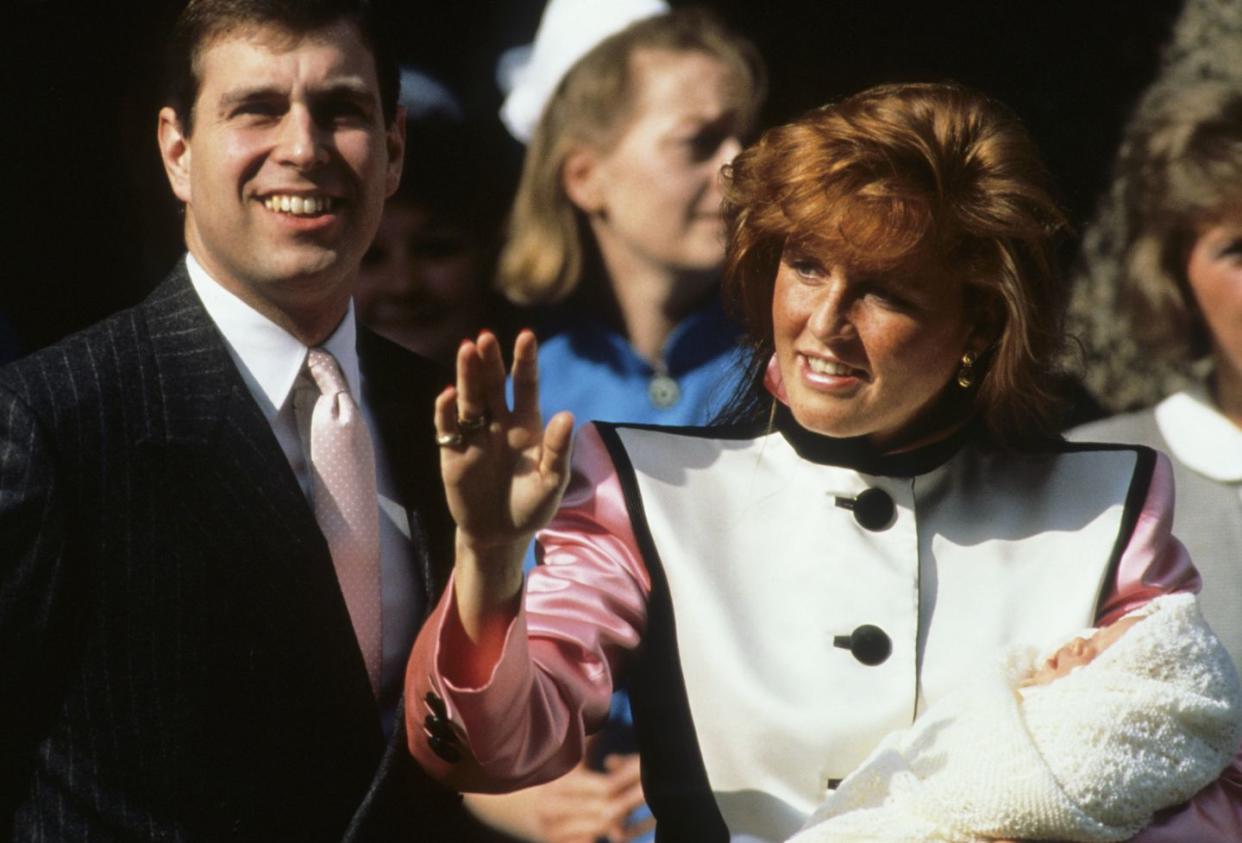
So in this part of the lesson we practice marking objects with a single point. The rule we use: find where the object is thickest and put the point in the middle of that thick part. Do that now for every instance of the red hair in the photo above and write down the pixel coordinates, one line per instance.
(932, 178)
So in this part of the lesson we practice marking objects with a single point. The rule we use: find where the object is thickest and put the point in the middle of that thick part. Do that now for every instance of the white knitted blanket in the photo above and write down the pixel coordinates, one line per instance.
(1089, 757)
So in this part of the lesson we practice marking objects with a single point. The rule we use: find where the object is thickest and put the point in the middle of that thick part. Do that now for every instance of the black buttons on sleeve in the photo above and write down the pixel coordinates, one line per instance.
(436, 705)
(444, 749)
(873, 509)
(439, 731)
(869, 644)
(437, 728)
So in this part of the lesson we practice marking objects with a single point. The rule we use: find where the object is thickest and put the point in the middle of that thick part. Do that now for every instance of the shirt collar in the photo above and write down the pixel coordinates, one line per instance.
(700, 337)
(268, 356)
(1199, 436)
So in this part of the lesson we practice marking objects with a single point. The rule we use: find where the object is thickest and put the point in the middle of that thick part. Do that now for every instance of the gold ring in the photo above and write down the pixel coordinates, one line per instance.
(449, 440)
(471, 424)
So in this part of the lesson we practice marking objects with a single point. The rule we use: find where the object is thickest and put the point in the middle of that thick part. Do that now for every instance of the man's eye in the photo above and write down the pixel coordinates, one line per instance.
(259, 108)
(343, 111)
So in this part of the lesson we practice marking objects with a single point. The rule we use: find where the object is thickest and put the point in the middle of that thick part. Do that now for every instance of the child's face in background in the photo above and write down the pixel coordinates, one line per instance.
(1078, 652)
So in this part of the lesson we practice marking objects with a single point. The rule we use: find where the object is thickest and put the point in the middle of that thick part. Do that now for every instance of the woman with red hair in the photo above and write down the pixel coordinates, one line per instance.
(886, 505)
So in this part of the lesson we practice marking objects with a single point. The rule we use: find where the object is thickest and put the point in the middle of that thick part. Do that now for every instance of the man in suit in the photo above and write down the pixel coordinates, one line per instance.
(184, 654)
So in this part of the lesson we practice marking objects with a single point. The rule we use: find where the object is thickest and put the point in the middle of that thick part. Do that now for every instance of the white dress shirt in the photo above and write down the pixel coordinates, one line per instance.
(270, 360)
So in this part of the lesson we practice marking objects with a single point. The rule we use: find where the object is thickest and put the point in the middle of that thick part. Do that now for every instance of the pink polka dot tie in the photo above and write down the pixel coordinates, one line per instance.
(346, 505)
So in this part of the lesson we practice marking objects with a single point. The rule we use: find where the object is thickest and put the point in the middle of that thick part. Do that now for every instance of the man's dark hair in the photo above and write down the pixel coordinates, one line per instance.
(203, 21)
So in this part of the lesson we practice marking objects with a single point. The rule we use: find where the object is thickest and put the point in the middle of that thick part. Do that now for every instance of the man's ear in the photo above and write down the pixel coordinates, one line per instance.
(175, 153)
(394, 145)
(581, 179)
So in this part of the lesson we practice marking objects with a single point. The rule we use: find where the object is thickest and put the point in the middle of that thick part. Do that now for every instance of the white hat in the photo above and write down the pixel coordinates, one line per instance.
(568, 30)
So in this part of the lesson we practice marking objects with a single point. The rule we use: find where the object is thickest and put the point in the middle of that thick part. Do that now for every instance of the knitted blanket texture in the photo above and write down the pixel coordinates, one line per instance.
(1089, 757)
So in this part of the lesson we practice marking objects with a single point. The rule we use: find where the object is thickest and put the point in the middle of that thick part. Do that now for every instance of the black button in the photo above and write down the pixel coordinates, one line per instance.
(873, 509)
(833, 784)
(436, 704)
(444, 749)
(439, 727)
(869, 644)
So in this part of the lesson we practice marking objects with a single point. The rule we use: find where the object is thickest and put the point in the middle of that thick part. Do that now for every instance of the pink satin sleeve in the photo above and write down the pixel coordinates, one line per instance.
(583, 609)
(1154, 563)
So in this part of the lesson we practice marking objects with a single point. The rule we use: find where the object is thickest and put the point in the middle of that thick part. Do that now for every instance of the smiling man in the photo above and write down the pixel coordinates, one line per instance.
(220, 511)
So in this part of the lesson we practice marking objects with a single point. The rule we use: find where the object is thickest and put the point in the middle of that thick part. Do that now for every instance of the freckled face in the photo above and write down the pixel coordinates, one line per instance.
(1214, 271)
(864, 355)
(285, 173)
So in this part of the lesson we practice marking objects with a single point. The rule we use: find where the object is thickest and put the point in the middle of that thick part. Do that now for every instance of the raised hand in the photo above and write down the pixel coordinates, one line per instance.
(505, 478)
(503, 472)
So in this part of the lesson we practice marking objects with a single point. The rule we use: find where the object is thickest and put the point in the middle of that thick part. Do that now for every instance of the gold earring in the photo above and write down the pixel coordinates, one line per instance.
(966, 374)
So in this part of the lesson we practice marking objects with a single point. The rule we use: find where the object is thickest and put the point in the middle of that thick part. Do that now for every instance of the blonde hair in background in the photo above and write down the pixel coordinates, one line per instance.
(547, 239)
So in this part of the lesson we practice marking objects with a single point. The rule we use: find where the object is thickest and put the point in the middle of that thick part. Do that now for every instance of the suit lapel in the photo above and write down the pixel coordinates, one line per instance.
(208, 410)
(216, 434)
(210, 429)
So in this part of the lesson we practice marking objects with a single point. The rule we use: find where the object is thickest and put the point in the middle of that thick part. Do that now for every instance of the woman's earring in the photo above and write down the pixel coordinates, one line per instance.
(966, 374)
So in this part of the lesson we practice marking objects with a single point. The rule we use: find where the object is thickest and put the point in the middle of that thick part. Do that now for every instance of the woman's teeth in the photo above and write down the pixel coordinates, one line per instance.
(303, 206)
(826, 367)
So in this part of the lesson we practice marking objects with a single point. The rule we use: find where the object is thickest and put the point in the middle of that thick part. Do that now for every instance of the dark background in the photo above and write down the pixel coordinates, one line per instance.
(94, 227)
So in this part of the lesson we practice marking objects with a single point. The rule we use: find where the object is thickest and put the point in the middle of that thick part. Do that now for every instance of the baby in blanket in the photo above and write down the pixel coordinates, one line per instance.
(1085, 746)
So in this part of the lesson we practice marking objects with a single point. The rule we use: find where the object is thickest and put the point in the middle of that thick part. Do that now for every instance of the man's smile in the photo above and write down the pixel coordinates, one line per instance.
(299, 205)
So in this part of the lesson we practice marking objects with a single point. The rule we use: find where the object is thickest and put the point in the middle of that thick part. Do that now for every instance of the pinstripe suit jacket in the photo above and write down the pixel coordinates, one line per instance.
(176, 659)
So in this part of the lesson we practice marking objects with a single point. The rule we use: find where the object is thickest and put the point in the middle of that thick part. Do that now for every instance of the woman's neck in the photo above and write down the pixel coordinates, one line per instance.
(652, 299)
(916, 441)
(944, 417)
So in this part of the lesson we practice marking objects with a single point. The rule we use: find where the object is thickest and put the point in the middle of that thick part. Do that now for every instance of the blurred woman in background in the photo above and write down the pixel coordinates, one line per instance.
(616, 232)
(1179, 269)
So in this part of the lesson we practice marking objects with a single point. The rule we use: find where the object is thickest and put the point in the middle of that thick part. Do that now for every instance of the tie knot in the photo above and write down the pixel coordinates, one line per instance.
(322, 367)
